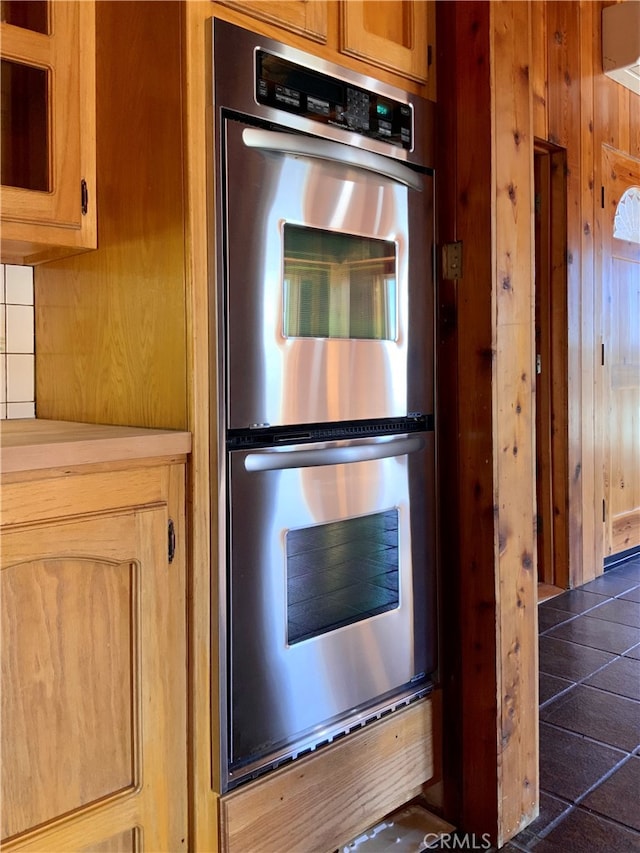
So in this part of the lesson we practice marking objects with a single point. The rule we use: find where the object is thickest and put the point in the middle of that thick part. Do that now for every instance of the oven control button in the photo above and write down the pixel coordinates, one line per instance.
(286, 95)
(315, 105)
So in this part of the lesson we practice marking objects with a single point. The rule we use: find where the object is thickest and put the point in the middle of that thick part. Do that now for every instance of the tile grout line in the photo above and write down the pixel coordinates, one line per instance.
(582, 683)
(625, 755)
(604, 778)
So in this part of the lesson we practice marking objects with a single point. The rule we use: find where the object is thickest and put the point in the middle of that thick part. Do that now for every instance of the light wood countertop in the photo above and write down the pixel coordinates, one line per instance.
(33, 444)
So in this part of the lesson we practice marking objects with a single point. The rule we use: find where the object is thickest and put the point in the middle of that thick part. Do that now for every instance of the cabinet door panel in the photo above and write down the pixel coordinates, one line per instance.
(58, 55)
(391, 34)
(123, 842)
(93, 685)
(72, 652)
(300, 16)
(48, 130)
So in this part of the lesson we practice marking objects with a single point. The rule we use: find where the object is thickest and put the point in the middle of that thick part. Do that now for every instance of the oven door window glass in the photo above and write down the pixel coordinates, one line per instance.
(338, 285)
(340, 573)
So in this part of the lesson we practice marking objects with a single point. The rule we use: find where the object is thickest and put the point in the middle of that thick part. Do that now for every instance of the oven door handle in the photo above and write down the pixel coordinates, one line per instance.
(306, 457)
(323, 149)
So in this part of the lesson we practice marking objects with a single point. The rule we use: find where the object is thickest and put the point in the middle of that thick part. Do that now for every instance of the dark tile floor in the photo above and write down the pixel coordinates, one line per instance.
(589, 719)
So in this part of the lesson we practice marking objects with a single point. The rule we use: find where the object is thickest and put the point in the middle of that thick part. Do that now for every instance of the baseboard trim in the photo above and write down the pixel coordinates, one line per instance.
(615, 560)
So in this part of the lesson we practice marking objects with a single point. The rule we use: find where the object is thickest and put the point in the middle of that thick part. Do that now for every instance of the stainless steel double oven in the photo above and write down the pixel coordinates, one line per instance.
(323, 315)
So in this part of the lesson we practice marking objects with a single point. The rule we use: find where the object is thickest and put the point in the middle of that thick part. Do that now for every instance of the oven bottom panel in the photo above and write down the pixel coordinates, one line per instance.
(330, 732)
(331, 590)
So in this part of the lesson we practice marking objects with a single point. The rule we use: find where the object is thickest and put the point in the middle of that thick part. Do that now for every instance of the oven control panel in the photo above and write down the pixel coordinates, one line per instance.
(306, 92)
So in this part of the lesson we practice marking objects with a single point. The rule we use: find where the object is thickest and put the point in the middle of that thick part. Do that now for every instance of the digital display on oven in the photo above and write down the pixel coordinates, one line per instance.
(305, 92)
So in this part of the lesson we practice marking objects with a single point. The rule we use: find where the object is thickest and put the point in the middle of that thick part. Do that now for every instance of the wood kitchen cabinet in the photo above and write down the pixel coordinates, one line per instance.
(394, 36)
(298, 16)
(48, 205)
(93, 647)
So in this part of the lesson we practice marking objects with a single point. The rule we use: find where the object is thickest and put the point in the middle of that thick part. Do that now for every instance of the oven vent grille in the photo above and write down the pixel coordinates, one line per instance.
(240, 439)
(348, 726)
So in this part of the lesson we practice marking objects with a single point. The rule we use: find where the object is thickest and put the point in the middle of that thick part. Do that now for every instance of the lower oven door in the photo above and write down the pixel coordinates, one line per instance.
(331, 589)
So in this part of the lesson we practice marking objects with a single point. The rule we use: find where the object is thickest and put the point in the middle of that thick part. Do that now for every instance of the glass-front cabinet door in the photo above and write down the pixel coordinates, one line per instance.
(47, 127)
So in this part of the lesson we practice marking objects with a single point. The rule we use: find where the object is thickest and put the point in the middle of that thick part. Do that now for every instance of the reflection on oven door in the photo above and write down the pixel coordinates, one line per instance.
(324, 567)
(317, 290)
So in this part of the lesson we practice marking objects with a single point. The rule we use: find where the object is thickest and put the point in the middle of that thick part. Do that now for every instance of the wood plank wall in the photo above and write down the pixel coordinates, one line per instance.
(485, 173)
(578, 108)
(514, 420)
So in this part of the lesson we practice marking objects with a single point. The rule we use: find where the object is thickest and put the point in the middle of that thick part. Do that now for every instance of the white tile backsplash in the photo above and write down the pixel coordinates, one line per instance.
(18, 285)
(19, 328)
(17, 344)
(21, 410)
(20, 378)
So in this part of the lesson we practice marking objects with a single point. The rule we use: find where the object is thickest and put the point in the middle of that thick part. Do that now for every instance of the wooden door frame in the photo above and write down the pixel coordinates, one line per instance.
(613, 162)
(552, 431)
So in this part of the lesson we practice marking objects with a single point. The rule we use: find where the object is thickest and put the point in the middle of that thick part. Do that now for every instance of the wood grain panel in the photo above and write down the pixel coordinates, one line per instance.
(544, 476)
(153, 608)
(563, 29)
(448, 396)
(551, 379)
(389, 19)
(38, 444)
(392, 34)
(539, 83)
(204, 737)
(514, 443)
(372, 773)
(603, 114)
(201, 10)
(484, 93)
(588, 296)
(477, 615)
(68, 672)
(464, 84)
(299, 16)
(80, 495)
(625, 531)
(123, 842)
(110, 325)
(559, 370)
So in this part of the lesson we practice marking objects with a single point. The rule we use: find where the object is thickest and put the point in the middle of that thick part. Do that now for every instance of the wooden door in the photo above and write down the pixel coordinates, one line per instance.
(621, 351)
(93, 730)
(551, 365)
(391, 34)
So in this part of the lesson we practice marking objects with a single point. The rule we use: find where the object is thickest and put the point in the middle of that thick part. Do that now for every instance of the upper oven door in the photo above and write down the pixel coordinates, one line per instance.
(327, 288)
